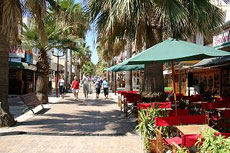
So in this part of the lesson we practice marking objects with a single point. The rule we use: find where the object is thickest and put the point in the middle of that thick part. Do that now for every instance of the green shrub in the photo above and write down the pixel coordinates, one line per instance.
(147, 124)
(209, 143)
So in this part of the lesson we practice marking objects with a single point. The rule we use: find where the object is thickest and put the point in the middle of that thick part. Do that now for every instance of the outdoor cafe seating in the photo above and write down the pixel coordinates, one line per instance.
(129, 101)
(121, 96)
(185, 127)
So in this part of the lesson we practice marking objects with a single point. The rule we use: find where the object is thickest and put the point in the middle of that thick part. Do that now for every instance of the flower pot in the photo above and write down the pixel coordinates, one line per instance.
(153, 145)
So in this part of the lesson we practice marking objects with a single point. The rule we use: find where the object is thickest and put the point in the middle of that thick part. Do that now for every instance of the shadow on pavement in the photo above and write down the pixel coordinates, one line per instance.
(84, 122)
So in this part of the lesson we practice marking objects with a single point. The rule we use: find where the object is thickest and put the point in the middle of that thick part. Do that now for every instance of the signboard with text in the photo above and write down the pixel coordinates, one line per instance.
(29, 57)
(17, 52)
(222, 40)
(35, 52)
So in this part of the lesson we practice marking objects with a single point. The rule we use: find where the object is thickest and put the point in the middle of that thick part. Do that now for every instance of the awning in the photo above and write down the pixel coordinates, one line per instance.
(22, 65)
(213, 61)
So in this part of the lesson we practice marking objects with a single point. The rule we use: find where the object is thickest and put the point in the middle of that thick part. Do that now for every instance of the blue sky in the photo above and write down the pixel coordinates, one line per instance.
(91, 42)
(91, 36)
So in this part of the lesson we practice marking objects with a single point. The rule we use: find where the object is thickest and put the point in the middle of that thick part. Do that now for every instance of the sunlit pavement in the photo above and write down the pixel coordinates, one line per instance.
(81, 126)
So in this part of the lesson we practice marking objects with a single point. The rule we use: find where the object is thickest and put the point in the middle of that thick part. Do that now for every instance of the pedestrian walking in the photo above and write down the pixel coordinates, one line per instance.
(61, 84)
(98, 87)
(106, 88)
(86, 85)
(75, 88)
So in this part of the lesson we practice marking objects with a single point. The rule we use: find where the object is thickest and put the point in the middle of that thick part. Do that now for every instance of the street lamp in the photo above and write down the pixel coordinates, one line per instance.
(56, 53)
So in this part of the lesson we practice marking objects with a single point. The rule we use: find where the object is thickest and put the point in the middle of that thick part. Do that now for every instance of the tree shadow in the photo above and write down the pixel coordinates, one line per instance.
(83, 122)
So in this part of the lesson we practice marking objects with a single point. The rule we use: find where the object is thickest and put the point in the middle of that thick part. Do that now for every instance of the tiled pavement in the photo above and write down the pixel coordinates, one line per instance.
(83, 126)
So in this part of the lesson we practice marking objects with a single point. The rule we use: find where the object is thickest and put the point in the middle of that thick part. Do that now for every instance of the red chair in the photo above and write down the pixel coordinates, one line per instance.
(162, 104)
(130, 98)
(149, 105)
(178, 97)
(124, 92)
(224, 100)
(212, 105)
(167, 121)
(226, 120)
(163, 144)
(189, 98)
(180, 112)
(197, 98)
(225, 135)
(144, 105)
(189, 140)
(193, 119)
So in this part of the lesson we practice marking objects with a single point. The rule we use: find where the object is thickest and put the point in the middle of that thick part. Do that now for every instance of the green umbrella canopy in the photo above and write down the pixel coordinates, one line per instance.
(123, 67)
(175, 50)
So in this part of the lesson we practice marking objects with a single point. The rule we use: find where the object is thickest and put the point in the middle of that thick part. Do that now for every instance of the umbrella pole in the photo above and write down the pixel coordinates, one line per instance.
(174, 87)
(115, 83)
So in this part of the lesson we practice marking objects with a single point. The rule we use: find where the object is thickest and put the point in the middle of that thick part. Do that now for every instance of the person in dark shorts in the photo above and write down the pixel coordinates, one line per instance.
(106, 88)
(98, 88)
(61, 87)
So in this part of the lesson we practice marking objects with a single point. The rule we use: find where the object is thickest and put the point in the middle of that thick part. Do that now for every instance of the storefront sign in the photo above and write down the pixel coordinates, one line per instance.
(29, 57)
(35, 52)
(17, 52)
(222, 40)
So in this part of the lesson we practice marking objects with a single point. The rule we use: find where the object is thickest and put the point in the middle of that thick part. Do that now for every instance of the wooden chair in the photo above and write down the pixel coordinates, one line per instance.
(163, 144)
(175, 148)
(130, 100)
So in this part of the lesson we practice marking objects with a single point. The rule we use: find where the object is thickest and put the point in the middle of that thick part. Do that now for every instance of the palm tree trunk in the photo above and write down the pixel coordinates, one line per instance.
(6, 119)
(153, 73)
(128, 74)
(43, 76)
(70, 66)
(65, 72)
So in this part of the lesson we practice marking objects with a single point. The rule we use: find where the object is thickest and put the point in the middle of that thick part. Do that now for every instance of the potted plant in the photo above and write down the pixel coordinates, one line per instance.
(209, 143)
(146, 127)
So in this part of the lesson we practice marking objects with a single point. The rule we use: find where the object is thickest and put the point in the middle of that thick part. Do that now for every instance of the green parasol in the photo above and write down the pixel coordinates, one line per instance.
(172, 50)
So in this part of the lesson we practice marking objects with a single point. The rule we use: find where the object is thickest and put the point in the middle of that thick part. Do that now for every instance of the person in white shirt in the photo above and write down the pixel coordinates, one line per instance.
(61, 84)
(86, 85)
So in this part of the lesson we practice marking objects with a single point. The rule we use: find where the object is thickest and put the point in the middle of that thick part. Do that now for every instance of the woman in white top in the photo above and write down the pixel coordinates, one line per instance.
(61, 84)
(86, 85)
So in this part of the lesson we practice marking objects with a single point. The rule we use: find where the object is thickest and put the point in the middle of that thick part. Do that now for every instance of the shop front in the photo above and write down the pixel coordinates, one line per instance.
(22, 71)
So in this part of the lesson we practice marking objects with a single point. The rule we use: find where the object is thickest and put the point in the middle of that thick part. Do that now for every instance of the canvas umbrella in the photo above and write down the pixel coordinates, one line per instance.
(118, 68)
(172, 50)
(123, 67)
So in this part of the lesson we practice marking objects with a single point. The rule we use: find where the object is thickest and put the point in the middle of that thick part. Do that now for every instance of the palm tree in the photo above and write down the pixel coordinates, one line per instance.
(153, 21)
(73, 15)
(56, 38)
(10, 23)
(81, 55)
(89, 68)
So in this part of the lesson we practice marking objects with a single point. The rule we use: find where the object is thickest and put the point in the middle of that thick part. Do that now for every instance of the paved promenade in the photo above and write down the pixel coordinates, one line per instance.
(68, 126)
